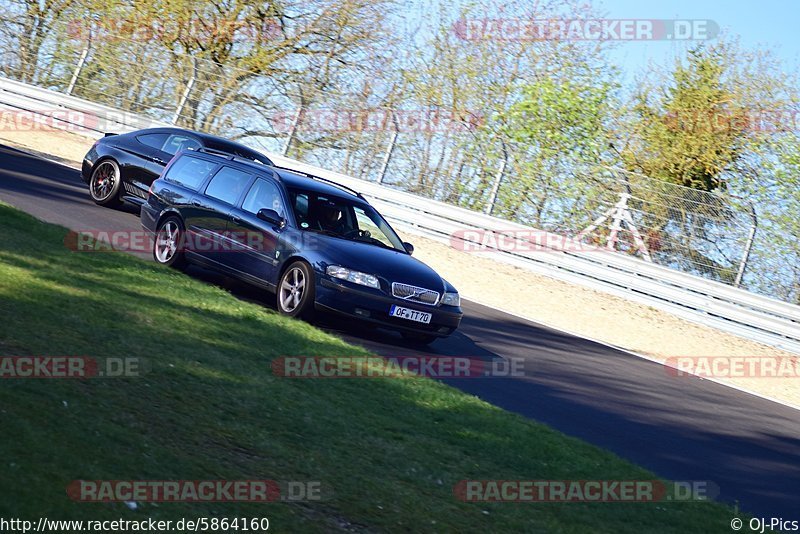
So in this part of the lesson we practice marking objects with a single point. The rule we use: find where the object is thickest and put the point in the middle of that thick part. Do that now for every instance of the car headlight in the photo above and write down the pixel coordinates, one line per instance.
(356, 277)
(451, 299)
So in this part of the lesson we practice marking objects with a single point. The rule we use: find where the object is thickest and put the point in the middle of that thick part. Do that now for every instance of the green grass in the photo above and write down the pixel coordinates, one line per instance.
(390, 450)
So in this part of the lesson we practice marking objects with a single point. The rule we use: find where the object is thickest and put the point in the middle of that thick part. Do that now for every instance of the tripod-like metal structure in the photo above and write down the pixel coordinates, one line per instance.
(618, 215)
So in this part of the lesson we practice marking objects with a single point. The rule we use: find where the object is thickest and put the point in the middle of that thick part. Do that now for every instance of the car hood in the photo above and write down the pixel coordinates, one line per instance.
(390, 265)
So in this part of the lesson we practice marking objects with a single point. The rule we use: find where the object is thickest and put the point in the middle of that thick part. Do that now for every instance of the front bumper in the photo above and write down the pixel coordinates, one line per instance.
(370, 306)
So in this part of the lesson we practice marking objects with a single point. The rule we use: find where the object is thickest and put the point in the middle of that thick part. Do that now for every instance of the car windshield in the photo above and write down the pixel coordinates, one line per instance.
(342, 218)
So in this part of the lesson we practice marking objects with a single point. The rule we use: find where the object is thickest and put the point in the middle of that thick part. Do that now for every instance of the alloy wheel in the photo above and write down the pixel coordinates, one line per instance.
(292, 289)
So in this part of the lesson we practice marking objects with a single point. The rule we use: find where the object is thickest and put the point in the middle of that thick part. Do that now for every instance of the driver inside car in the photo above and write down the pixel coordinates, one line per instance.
(332, 219)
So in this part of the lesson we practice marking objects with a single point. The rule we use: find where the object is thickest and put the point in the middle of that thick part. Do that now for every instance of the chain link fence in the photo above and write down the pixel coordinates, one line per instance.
(682, 228)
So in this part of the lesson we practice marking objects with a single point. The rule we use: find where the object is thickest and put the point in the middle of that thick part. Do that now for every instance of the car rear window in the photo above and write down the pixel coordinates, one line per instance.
(176, 143)
(227, 185)
(152, 140)
(190, 172)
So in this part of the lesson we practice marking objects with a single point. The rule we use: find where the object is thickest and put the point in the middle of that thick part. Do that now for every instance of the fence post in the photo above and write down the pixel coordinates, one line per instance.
(290, 137)
(185, 95)
(389, 150)
(81, 63)
(747, 248)
(497, 180)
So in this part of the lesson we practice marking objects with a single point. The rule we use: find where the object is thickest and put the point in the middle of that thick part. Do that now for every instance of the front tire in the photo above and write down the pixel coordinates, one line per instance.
(295, 294)
(168, 244)
(104, 183)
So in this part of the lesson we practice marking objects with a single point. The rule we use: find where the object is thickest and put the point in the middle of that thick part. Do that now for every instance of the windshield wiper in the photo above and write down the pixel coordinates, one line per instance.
(373, 241)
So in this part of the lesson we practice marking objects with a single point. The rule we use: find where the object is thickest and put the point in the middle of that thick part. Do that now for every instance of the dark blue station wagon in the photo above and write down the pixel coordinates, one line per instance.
(317, 245)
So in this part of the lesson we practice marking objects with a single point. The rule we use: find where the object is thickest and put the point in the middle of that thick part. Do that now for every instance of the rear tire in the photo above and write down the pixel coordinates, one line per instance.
(419, 339)
(105, 183)
(295, 292)
(168, 244)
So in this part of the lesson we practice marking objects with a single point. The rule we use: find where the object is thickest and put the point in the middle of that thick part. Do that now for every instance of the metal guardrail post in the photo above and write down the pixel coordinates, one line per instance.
(389, 151)
(497, 181)
(293, 129)
(81, 63)
(747, 249)
(185, 95)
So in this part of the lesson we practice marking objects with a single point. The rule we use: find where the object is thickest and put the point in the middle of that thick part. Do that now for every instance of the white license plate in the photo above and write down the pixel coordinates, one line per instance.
(411, 315)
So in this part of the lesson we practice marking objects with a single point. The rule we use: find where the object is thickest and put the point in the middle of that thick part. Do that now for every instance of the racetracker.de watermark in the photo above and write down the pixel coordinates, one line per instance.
(766, 121)
(47, 120)
(516, 240)
(525, 30)
(71, 120)
(225, 241)
(733, 366)
(121, 30)
(585, 491)
(197, 491)
(426, 120)
(395, 367)
(79, 367)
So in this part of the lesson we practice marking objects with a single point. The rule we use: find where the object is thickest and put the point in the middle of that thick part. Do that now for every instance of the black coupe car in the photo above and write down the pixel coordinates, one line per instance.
(122, 167)
(316, 244)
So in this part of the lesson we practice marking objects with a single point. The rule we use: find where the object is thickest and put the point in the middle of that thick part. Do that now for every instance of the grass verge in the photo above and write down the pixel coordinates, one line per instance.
(389, 450)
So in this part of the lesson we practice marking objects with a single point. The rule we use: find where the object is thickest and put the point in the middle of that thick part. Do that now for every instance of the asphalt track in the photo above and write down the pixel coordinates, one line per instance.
(680, 428)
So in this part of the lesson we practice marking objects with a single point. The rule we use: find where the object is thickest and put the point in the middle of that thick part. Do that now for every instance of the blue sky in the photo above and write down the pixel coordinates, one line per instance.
(765, 23)
(771, 24)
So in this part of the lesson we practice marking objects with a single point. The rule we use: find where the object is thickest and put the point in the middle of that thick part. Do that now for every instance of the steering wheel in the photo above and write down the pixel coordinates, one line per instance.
(356, 233)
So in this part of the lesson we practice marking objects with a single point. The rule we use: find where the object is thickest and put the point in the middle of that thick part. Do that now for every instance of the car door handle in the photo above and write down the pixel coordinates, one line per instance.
(197, 203)
(236, 219)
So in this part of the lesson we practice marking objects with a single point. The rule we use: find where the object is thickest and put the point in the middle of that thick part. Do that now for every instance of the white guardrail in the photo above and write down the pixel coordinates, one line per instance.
(696, 299)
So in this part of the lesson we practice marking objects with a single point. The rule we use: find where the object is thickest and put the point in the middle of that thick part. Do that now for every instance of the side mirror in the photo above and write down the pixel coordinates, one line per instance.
(409, 248)
(271, 217)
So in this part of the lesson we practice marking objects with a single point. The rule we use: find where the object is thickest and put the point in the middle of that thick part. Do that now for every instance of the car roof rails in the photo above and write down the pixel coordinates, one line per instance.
(325, 180)
(234, 157)
(228, 155)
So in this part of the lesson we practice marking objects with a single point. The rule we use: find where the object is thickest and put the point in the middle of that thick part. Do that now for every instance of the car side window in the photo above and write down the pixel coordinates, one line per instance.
(263, 194)
(300, 203)
(175, 143)
(152, 140)
(227, 185)
(190, 172)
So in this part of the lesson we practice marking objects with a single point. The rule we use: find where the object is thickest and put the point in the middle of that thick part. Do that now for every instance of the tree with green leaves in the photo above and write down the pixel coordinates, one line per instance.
(559, 129)
(26, 25)
(693, 130)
